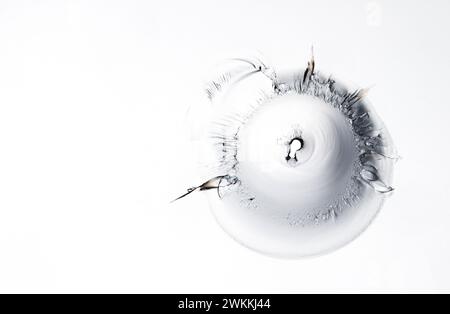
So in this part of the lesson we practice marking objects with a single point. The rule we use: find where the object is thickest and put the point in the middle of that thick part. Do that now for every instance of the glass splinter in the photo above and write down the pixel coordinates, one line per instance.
(213, 183)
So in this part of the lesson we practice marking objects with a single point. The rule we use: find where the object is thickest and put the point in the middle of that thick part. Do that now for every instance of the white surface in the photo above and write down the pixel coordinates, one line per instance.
(93, 143)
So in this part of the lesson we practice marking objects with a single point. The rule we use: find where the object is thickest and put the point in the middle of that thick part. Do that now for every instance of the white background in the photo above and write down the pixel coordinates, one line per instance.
(94, 143)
